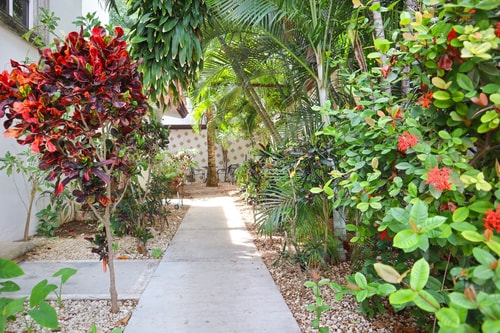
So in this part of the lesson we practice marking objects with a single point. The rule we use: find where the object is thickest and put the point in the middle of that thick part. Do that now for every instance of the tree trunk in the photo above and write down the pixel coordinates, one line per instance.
(378, 26)
(108, 261)
(111, 262)
(322, 84)
(30, 208)
(410, 6)
(212, 165)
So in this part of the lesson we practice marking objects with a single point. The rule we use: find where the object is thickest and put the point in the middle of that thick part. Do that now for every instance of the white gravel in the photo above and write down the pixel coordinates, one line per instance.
(80, 315)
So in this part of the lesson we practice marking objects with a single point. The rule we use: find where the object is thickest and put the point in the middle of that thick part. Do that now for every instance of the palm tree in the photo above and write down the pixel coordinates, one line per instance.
(308, 33)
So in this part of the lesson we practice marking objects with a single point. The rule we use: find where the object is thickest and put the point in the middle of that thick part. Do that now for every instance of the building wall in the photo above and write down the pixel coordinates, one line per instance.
(188, 139)
(68, 11)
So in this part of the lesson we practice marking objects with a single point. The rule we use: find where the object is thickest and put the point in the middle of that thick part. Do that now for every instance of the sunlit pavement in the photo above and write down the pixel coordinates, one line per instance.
(212, 279)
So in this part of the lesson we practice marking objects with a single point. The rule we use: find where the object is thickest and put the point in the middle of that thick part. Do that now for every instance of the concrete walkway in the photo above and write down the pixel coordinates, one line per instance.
(212, 280)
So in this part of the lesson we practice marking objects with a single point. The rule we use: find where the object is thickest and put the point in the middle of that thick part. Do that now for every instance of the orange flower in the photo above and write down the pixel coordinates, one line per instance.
(406, 140)
(425, 100)
(439, 178)
(492, 219)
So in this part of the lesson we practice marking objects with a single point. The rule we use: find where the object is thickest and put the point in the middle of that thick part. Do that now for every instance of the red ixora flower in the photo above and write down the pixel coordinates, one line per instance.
(425, 100)
(406, 140)
(492, 219)
(439, 178)
(384, 235)
(497, 30)
(452, 35)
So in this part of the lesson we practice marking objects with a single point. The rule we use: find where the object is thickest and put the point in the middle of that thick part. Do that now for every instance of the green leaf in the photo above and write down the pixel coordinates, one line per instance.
(491, 326)
(316, 190)
(363, 206)
(461, 214)
(486, 4)
(448, 318)
(13, 307)
(382, 44)
(406, 240)
(480, 206)
(418, 212)
(9, 269)
(441, 95)
(361, 295)
(404, 18)
(494, 246)
(45, 316)
(360, 280)
(463, 226)
(65, 273)
(387, 273)
(309, 284)
(426, 301)
(464, 82)
(433, 223)
(385, 289)
(413, 190)
(399, 214)
(430, 162)
(419, 274)
(472, 236)
(444, 135)
(40, 291)
(402, 296)
(459, 299)
(483, 272)
(482, 256)
(9, 286)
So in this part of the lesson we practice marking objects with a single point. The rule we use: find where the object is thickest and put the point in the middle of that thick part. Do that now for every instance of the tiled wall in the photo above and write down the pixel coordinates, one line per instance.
(188, 139)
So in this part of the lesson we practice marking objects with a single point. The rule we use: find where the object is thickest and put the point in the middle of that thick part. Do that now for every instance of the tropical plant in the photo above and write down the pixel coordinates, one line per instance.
(419, 174)
(167, 37)
(79, 108)
(35, 306)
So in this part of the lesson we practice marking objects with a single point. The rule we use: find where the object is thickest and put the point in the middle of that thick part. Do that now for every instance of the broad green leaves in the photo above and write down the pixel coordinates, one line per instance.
(167, 36)
(417, 227)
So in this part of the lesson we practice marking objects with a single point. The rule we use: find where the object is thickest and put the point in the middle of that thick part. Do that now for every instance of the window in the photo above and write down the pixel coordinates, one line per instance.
(17, 9)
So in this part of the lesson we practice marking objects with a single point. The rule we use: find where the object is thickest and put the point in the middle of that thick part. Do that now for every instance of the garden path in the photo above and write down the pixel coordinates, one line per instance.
(212, 279)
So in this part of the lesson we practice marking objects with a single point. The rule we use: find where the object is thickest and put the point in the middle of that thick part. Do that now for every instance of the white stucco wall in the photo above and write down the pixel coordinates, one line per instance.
(68, 11)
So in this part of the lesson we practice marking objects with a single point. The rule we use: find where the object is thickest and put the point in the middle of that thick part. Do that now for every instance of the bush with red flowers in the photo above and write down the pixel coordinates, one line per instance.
(423, 189)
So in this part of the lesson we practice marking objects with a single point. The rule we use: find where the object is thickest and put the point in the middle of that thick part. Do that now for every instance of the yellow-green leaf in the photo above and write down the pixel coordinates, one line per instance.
(387, 273)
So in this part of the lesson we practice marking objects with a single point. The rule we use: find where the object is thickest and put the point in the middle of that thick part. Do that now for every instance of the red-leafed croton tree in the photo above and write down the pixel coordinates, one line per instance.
(79, 108)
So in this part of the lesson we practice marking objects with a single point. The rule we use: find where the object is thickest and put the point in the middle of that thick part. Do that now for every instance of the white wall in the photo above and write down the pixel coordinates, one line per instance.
(68, 11)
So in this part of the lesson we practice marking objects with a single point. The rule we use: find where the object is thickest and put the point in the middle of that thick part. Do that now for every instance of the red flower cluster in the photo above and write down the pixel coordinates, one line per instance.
(406, 140)
(497, 30)
(425, 100)
(384, 235)
(452, 35)
(440, 178)
(452, 55)
(492, 219)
